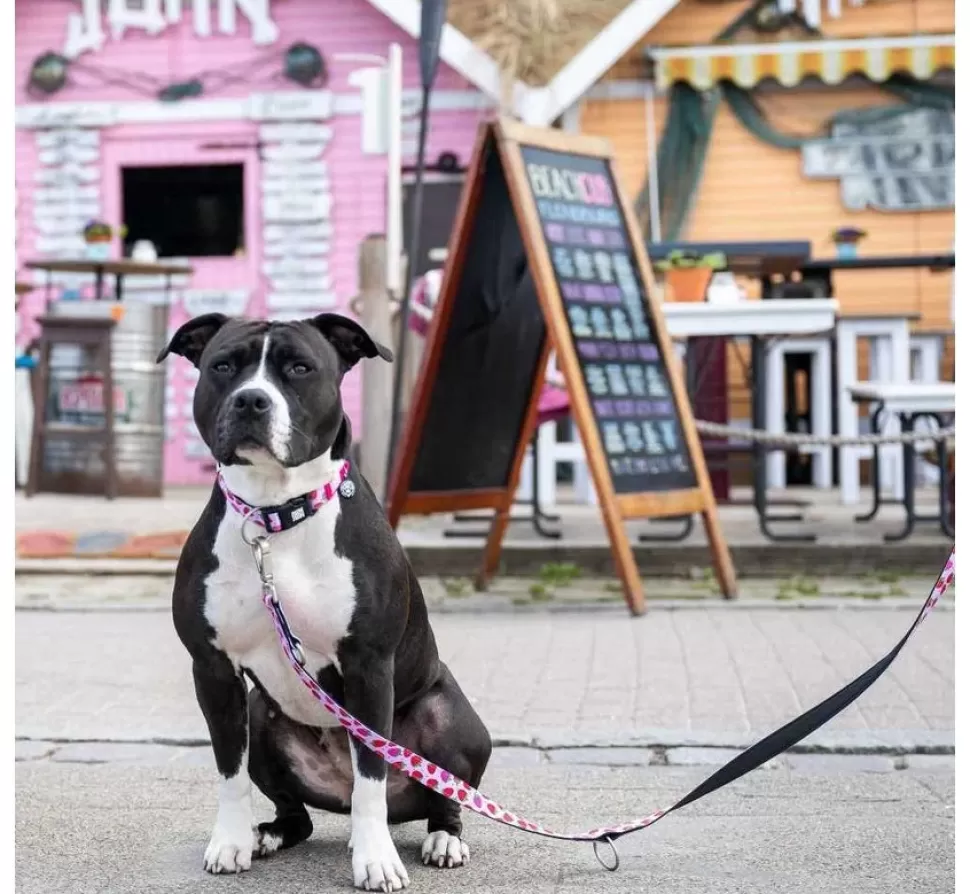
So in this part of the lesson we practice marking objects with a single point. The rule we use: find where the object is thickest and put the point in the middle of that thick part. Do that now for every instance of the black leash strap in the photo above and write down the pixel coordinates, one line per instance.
(795, 730)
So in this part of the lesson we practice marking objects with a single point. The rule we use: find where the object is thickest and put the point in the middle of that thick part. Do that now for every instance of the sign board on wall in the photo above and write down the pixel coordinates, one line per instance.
(899, 161)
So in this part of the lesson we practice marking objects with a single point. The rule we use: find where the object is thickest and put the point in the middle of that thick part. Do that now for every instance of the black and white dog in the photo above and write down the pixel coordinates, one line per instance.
(268, 405)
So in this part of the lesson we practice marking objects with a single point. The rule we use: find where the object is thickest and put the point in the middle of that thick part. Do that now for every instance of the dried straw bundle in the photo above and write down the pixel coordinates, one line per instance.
(532, 40)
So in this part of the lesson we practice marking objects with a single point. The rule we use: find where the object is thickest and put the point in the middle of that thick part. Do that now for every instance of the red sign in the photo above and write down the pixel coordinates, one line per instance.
(87, 396)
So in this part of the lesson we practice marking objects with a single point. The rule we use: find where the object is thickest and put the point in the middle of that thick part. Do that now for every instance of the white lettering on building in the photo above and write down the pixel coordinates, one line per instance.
(86, 29)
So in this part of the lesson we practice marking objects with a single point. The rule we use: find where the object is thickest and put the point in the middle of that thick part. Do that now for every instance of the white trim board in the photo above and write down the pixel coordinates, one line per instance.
(456, 50)
(595, 60)
(31, 116)
(537, 105)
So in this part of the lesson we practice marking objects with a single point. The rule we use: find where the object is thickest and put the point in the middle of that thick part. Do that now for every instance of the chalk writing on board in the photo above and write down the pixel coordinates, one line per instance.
(602, 294)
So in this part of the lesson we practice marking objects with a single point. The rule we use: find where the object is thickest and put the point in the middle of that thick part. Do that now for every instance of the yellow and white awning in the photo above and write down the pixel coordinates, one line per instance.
(832, 61)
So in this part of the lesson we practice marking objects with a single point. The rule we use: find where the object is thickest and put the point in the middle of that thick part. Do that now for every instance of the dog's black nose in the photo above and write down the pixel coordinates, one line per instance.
(251, 402)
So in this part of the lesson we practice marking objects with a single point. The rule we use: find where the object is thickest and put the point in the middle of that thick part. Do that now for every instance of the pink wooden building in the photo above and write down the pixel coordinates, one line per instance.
(259, 182)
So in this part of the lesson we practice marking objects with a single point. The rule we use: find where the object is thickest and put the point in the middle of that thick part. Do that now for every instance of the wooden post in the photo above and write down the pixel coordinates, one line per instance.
(376, 377)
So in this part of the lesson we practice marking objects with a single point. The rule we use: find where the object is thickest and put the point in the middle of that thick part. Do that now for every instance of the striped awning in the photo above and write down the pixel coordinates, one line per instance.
(831, 61)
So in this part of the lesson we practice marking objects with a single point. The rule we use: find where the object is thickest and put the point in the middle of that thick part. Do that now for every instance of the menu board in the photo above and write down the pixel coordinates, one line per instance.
(545, 256)
(489, 356)
(614, 336)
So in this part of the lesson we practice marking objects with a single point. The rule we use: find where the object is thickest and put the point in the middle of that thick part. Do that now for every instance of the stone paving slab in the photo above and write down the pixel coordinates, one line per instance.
(692, 677)
(118, 829)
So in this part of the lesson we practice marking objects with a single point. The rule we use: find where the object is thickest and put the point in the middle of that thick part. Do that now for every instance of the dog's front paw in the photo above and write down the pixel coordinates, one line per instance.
(377, 867)
(230, 849)
(444, 850)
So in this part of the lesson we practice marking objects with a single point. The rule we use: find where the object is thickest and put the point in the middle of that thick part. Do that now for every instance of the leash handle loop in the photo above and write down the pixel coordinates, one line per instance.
(615, 864)
(465, 795)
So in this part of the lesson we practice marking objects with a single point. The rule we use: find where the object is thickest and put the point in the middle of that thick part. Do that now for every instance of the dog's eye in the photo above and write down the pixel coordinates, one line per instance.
(222, 367)
(299, 369)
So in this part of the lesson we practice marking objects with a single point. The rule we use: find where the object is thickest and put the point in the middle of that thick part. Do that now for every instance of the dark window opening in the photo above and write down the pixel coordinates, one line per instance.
(184, 211)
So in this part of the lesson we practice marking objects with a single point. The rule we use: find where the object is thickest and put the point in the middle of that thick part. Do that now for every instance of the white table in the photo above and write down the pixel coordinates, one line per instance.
(756, 321)
(798, 316)
(909, 401)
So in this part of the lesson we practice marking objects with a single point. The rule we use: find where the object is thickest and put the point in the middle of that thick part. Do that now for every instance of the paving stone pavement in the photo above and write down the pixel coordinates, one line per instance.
(698, 676)
(120, 828)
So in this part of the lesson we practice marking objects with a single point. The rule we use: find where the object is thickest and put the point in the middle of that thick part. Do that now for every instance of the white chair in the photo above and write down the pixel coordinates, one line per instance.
(553, 451)
(889, 363)
(820, 401)
(926, 356)
(926, 367)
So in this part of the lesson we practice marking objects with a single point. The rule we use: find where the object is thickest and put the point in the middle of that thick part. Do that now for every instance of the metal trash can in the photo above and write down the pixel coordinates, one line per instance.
(139, 385)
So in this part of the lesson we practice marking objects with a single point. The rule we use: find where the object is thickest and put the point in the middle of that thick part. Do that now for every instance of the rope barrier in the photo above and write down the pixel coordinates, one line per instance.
(791, 439)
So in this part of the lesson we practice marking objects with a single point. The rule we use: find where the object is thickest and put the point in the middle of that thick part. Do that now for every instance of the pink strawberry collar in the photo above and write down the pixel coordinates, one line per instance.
(289, 514)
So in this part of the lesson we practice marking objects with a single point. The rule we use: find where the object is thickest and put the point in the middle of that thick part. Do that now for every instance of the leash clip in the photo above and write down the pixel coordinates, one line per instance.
(260, 548)
(616, 857)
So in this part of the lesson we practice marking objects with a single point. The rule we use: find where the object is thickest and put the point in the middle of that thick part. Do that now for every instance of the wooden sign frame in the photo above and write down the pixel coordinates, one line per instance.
(510, 136)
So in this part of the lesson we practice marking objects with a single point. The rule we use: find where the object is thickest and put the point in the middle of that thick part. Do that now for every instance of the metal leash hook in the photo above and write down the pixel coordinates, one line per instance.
(260, 547)
(599, 858)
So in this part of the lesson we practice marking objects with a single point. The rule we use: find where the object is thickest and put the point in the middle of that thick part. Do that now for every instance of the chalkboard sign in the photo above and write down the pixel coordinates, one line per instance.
(546, 254)
(486, 347)
(613, 333)
(489, 356)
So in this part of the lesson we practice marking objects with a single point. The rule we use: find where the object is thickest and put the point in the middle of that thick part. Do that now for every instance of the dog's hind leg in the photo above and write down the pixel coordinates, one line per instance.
(292, 823)
(449, 733)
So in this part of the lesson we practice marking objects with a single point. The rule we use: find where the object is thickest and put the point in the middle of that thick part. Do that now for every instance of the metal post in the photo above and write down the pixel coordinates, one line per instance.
(400, 356)
(393, 87)
(433, 14)
(652, 175)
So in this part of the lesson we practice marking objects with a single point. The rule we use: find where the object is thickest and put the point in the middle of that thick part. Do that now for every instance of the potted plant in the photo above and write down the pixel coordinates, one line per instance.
(688, 273)
(97, 239)
(847, 241)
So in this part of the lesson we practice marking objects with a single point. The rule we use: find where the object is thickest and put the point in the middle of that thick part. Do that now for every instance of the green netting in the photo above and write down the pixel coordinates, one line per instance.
(690, 122)
(680, 158)
(747, 110)
(913, 92)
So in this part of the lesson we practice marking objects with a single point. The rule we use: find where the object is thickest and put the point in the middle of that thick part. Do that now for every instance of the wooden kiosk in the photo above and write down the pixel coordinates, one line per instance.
(546, 254)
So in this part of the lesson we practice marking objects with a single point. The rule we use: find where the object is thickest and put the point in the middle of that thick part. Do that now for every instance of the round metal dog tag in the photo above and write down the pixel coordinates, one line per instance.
(347, 489)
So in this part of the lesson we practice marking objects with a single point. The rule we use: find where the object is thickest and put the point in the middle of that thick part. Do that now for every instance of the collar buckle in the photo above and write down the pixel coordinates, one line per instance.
(287, 515)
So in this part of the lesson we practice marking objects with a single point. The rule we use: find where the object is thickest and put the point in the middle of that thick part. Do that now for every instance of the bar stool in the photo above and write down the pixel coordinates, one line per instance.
(554, 408)
(926, 366)
(926, 355)
(889, 362)
(819, 351)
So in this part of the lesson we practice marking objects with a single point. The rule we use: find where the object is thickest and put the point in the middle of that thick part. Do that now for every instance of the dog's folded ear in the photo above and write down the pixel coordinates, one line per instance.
(349, 338)
(192, 337)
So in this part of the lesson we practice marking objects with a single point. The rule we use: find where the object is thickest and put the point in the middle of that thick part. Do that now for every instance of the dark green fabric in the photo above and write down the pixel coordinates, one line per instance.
(905, 87)
(680, 158)
(690, 122)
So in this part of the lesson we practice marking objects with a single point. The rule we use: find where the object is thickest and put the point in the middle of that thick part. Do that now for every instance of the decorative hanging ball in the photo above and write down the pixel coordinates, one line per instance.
(48, 74)
(447, 162)
(303, 64)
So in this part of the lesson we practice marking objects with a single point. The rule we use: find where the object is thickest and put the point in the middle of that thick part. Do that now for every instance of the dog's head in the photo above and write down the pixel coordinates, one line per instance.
(271, 390)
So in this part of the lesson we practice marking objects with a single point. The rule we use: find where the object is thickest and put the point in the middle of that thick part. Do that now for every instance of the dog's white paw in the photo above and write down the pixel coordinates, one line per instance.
(377, 867)
(266, 842)
(230, 848)
(444, 850)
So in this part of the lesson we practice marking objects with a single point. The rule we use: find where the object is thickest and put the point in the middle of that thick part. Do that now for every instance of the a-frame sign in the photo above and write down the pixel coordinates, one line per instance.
(546, 254)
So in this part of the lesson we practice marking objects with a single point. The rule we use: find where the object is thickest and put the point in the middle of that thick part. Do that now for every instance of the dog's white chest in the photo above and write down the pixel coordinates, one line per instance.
(316, 590)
